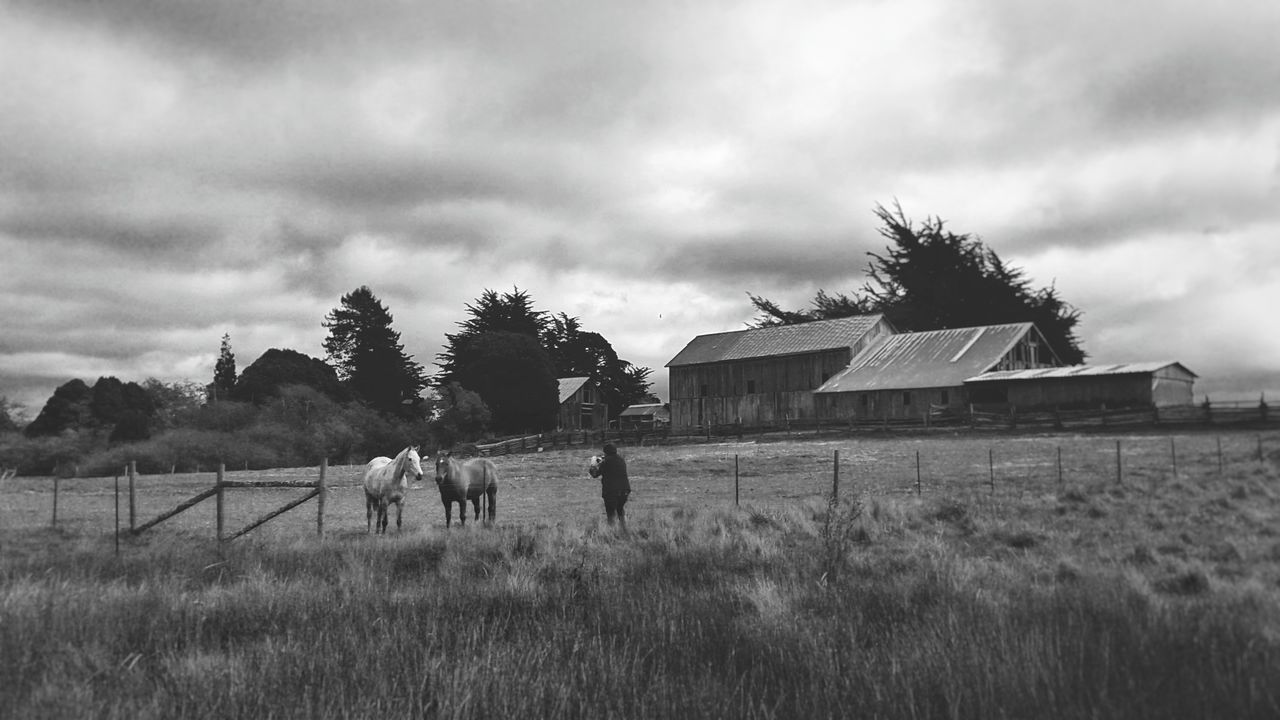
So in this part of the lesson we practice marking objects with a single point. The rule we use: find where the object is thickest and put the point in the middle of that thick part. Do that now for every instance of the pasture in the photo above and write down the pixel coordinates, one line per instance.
(984, 579)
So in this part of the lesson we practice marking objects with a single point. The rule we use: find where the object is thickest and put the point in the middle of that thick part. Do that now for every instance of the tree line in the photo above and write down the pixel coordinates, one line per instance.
(498, 376)
(498, 372)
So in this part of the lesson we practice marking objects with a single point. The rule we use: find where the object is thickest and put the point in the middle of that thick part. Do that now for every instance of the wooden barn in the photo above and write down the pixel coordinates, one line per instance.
(907, 375)
(581, 407)
(764, 375)
(648, 416)
(1144, 384)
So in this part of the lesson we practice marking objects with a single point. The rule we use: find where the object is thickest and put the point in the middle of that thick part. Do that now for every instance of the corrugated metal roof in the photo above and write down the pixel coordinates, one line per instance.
(937, 358)
(643, 410)
(1079, 371)
(776, 341)
(569, 386)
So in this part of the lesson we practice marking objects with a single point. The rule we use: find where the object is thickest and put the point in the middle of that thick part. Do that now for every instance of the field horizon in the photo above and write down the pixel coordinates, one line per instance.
(955, 577)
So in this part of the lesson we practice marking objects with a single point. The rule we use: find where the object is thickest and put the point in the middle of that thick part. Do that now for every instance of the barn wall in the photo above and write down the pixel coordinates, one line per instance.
(765, 390)
(582, 411)
(890, 404)
(1172, 386)
(1169, 386)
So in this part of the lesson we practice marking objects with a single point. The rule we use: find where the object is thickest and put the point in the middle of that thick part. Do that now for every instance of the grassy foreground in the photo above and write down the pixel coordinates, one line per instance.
(878, 607)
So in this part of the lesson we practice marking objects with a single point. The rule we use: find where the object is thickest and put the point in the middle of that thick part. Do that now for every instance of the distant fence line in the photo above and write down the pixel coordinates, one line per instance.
(975, 418)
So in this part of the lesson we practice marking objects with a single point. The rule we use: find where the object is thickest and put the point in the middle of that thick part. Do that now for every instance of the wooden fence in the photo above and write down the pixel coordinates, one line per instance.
(318, 490)
(975, 418)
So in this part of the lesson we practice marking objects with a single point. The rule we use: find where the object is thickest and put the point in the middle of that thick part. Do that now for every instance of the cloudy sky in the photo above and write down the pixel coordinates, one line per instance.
(173, 171)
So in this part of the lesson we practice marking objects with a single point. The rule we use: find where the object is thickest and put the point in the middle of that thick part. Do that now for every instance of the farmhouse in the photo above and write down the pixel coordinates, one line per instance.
(909, 374)
(581, 407)
(765, 375)
(1145, 384)
(644, 417)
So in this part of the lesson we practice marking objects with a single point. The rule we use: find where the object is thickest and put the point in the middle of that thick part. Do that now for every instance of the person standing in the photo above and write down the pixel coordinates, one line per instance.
(615, 486)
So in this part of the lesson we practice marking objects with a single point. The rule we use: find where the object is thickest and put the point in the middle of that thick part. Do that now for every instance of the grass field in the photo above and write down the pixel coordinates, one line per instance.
(1145, 592)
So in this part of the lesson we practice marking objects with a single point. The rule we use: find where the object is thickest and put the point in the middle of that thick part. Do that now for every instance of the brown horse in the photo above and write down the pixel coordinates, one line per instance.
(460, 481)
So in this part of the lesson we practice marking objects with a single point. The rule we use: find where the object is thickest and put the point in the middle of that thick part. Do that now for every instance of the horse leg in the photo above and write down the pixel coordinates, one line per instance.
(382, 517)
(492, 492)
(399, 511)
(448, 513)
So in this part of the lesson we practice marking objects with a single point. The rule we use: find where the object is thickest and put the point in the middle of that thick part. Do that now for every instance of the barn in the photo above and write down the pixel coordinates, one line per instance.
(909, 374)
(764, 375)
(647, 416)
(581, 407)
(1140, 384)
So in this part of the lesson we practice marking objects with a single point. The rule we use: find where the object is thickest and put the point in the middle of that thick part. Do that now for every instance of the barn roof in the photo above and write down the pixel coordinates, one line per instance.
(643, 410)
(776, 341)
(569, 386)
(1144, 368)
(937, 358)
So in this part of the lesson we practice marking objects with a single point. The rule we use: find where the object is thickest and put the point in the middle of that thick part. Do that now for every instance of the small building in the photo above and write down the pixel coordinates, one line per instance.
(649, 416)
(764, 375)
(1143, 384)
(581, 407)
(911, 374)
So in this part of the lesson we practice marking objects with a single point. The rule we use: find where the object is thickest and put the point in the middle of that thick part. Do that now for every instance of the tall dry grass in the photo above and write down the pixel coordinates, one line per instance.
(879, 607)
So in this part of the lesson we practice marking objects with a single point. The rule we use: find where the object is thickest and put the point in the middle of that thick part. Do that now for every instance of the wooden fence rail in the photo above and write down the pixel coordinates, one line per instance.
(318, 489)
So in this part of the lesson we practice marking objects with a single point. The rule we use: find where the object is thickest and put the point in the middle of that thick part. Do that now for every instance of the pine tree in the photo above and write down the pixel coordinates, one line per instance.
(930, 278)
(367, 354)
(224, 371)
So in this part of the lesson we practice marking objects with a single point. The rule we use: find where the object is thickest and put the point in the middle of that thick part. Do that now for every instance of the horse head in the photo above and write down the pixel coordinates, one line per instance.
(413, 464)
(442, 466)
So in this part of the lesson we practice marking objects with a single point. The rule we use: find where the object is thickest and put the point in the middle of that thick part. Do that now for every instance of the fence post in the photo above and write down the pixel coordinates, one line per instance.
(917, 473)
(1261, 457)
(324, 491)
(735, 481)
(1119, 467)
(117, 503)
(222, 469)
(1173, 455)
(835, 477)
(991, 466)
(55, 500)
(133, 506)
(1059, 466)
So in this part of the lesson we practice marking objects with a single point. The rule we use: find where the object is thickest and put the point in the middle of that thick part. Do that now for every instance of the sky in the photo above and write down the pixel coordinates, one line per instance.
(174, 171)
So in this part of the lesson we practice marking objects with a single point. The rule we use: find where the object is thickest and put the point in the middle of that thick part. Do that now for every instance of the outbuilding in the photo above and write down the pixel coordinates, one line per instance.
(648, 416)
(581, 407)
(764, 375)
(1139, 384)
(909, 375)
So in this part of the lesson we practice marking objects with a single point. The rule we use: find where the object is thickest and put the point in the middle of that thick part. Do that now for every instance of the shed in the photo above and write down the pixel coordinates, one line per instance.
(581, 407)
(644, 417)
(1138, 384)
(764, 375)
(908, 374)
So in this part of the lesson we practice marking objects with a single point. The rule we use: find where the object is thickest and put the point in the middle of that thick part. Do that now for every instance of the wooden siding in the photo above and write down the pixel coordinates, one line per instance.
(915, 403)
(1166, 387)
(751, 391)
(584, 410)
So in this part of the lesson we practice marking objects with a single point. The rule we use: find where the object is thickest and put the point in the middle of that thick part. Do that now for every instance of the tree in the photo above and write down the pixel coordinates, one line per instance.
(458, 414)
(930, 278)
(66, 409)
(10, 416)
(224, 371)
(277, 368)
(514, 376)
(578, 353)
(510, 313)
(367, 353)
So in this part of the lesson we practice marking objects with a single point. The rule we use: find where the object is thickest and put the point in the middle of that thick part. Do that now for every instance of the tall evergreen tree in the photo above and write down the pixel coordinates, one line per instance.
(224, 371)
(581, 353)
(930, 278)
(368, 355)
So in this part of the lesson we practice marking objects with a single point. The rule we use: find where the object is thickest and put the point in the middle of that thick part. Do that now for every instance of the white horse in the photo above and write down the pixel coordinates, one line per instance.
(385, 482)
